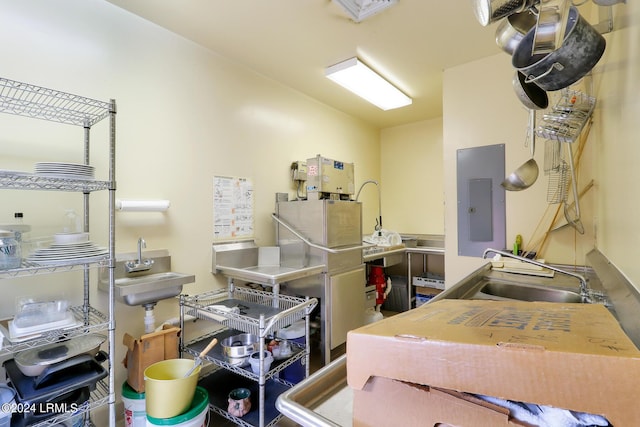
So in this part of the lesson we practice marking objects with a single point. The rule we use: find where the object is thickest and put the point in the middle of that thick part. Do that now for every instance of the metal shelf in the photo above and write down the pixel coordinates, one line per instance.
(278, 311)
(218, 397)
(564, 123)
(217, 357)
(32, 269)
(31, 181)
(38, 102)
(251, 311)
(98, 398)
(90, 321)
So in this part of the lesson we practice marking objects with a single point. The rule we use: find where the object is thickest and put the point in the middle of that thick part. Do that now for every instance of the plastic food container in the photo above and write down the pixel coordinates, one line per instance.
(10, 251)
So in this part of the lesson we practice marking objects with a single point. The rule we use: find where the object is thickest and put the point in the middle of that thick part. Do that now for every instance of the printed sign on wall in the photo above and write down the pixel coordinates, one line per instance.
(232, 208)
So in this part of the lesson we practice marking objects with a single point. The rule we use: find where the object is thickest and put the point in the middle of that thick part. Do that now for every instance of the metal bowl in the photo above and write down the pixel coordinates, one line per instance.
(239, 362)
(239, 346)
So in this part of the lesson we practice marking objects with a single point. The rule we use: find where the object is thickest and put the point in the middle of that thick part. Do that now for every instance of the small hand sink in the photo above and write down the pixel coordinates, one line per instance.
(520, 292)
(148, 285)
(151, 288)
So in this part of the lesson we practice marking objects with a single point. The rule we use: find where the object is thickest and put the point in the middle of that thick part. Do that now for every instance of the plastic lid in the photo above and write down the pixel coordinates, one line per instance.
(199, 403)
(57, 352)
(130, 393)
(7, 233)
(293, 331)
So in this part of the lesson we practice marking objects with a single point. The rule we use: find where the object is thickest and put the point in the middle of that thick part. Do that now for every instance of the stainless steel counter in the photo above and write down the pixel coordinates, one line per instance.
(269, 275)
(322, 400)
(306, 403)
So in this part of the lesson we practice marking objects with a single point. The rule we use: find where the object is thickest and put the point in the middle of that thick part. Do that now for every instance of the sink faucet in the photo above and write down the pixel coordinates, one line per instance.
(140, 264)
(584, 289)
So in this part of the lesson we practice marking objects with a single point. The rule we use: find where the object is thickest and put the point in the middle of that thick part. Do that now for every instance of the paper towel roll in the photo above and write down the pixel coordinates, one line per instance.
(143, 205)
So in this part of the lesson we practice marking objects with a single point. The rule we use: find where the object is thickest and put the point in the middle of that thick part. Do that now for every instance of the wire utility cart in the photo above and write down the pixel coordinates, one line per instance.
(238, 310)
(51, 105)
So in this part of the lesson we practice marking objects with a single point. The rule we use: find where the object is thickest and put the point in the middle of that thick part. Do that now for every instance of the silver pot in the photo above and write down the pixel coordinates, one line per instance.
(240, 346)
(488, 11)
(581, 50)
(512, 30)
(530, 94)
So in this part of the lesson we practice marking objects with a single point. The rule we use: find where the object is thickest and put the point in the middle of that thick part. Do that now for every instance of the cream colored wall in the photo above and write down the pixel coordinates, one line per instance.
(184, 116)
(481, 108)
(617, 86)
(411, 178)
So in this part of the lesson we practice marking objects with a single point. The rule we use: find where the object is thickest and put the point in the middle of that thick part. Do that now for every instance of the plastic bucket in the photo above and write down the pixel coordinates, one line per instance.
(195, 416)
(296, 332)
(167, 393)
(135, 414)
(7, 395)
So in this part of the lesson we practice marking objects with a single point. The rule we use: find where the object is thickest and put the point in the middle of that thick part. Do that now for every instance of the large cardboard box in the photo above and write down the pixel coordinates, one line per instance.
(390, 403)
(570, 356)
(149, 349)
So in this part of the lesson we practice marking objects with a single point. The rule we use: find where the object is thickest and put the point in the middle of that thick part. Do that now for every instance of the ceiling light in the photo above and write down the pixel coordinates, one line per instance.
(366, 83)
(362, 9)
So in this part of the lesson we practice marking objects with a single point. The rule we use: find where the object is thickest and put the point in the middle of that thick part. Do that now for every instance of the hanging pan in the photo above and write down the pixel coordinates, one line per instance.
(530, 94)
(581, 50)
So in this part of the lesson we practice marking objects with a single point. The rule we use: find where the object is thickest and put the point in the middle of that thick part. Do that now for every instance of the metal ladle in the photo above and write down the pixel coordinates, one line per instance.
(527, 174)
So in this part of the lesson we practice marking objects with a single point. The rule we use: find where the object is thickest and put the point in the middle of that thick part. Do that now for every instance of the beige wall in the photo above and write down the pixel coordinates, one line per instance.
(185, 115)
(617, 148)
(411, 178)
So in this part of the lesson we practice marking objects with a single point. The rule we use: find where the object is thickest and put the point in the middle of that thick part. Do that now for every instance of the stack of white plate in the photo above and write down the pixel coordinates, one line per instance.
(65, 170)
(60, 253)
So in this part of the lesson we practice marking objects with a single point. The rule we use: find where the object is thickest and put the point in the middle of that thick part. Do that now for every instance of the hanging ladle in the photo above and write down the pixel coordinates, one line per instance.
(524, 177)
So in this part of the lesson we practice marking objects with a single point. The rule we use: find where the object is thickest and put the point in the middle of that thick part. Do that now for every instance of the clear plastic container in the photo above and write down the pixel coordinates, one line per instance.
(10, 252)
(32, 312)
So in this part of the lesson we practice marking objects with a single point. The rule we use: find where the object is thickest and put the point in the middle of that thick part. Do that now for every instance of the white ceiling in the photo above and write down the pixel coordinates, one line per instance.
(293, 41)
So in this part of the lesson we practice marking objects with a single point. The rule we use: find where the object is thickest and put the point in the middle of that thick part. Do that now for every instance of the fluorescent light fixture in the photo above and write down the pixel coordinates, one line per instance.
(362, 9)
(353, 75)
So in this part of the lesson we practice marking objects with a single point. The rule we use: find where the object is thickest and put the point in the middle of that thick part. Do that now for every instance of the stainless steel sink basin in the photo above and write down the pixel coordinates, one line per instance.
(151, 288)
(147, 286)
(499, 290)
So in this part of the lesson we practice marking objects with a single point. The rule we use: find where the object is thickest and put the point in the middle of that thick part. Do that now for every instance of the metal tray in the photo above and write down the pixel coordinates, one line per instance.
(322, 400)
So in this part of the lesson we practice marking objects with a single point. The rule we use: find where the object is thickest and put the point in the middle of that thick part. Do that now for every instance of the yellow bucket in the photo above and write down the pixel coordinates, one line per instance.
(167, 393)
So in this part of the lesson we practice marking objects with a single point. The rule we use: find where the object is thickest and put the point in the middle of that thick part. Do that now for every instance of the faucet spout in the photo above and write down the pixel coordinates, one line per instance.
(141, 244)
(139, 264)
(584, 289)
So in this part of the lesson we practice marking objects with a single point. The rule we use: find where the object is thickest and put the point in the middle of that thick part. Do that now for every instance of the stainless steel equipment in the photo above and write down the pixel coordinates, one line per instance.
(328, 178)
(333, 233)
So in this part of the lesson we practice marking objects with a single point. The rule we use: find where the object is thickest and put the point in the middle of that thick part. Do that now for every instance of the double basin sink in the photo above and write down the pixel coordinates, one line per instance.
(493, 289)
(486, 283)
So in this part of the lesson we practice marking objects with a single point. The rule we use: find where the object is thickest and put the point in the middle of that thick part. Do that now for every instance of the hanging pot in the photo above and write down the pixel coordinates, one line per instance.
(512, 30)
(530, 94)
(488, 11)
(581, 50)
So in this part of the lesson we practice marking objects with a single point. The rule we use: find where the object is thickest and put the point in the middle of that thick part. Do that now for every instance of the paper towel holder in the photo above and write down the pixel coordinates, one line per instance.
(142, 205)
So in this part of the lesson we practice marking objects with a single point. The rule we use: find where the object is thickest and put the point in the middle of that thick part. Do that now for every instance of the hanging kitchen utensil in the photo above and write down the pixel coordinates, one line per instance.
(488, 11)
(552, 156)
(527, 174)
(530, 94)
(573, 218)
(512, 30)
(557, 186)
(581, 50)
(198, 361)
(550, 26)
